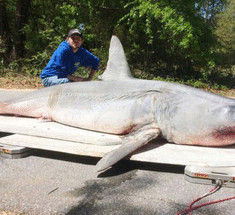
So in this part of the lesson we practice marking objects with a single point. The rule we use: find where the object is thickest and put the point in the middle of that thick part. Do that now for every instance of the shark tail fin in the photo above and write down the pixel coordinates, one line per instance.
(117, 66)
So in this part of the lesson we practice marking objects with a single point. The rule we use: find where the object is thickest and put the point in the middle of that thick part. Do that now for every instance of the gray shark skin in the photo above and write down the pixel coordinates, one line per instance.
(137, 110)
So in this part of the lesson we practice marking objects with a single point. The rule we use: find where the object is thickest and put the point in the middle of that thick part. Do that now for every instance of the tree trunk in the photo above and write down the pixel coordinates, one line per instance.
(5, 32)
(21, 18)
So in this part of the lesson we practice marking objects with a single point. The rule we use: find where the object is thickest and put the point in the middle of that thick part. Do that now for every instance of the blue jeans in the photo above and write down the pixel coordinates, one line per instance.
(54, 80)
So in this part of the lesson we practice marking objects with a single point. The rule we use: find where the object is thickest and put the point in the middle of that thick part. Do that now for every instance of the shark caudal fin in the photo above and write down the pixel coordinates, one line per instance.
(117, 66)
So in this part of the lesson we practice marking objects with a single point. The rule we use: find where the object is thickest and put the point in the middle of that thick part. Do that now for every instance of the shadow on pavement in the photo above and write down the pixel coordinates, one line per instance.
(119, 168)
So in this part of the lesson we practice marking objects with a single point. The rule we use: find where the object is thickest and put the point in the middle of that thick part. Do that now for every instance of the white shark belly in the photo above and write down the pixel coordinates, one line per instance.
(103, 113)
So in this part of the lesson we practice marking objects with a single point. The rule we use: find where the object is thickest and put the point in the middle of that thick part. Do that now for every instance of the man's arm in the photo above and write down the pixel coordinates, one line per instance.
(91, 75)
(76, 78)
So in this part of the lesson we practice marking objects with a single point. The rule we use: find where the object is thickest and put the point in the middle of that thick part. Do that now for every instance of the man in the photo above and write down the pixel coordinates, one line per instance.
(66, 59)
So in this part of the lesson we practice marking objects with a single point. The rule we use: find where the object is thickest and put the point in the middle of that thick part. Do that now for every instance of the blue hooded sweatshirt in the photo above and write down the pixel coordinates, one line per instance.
(64, 62)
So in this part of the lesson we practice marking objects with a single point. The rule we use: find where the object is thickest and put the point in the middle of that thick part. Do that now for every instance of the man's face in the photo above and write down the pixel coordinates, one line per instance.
(75, 41)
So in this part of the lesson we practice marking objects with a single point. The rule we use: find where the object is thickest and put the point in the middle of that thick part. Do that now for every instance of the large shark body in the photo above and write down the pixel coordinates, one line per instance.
(138, 110)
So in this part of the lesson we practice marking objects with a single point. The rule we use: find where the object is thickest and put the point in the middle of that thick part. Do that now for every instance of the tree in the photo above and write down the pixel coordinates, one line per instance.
(224, 32)
(21, 19)
(210, 8)
(176, 36)
(5, 36)
(169, 31)
(14, 16)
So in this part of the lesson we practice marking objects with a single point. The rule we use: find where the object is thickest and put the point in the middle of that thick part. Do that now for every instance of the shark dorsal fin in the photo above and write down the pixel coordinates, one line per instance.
(117, 66)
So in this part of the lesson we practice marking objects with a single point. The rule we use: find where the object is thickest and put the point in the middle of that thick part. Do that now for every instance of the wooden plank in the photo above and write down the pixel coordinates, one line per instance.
(57, 137)
(153, 152)
(70, 147)
(36, 127)
(170, 153)
(11, 151)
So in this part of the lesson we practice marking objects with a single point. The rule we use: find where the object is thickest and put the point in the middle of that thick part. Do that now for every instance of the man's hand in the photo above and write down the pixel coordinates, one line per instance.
(74, 78)
(91, 75)
(77, 79)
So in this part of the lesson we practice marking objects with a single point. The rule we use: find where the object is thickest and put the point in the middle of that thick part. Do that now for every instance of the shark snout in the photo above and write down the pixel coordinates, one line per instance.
(225, 135)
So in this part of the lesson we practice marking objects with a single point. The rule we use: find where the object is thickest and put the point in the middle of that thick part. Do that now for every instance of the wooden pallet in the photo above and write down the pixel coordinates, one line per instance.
(33, 133)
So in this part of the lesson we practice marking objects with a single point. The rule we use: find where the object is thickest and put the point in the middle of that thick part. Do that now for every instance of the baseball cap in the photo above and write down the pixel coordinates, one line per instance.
(75, 31)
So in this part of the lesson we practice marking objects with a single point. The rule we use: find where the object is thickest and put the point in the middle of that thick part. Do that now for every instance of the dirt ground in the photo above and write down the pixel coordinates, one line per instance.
(25, 82)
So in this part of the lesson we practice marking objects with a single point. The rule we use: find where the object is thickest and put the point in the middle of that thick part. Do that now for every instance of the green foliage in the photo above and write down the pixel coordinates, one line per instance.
(184, 41)
(169, 30)
(224, 31)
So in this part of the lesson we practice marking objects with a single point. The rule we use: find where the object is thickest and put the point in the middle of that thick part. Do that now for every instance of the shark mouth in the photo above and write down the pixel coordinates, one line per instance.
(225, 134)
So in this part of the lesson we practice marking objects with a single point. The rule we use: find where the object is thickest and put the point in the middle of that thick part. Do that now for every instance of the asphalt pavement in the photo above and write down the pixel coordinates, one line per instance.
(49, 183)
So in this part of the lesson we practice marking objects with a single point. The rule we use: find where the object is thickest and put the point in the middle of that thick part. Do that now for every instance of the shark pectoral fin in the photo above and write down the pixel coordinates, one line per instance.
(130, 144)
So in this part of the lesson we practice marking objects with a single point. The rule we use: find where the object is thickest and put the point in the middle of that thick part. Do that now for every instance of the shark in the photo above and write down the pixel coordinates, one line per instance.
(135, 109)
